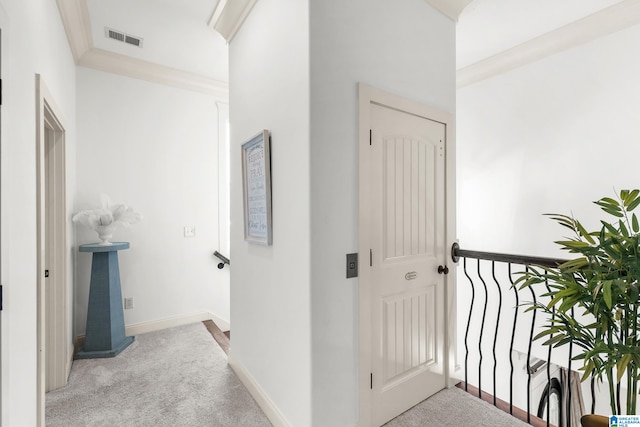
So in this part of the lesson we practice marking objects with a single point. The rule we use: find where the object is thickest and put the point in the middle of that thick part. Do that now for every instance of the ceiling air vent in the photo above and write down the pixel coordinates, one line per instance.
(122, 37)
(132, 40)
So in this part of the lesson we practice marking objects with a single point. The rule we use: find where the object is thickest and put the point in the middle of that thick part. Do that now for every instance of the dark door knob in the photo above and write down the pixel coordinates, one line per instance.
(443, 269)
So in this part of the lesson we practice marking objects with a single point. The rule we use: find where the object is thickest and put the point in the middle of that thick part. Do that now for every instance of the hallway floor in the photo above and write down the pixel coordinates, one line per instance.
(454, 407)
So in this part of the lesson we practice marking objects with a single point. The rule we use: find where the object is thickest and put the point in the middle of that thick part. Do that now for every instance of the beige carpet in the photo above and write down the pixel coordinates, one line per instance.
(180, 377)
(174, 377)
(454, 407)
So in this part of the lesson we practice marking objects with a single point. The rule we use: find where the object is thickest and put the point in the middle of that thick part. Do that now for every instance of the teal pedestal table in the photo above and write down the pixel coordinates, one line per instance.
(105, 318)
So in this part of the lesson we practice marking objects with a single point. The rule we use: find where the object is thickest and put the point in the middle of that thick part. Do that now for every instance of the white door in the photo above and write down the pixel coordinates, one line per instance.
(408, 239)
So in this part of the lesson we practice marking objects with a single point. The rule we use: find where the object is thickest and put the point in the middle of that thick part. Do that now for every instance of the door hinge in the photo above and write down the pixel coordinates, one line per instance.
(0, 91)
(371, 381)
(46, 273)
(370, 136)
(1, 293)
(370, 257)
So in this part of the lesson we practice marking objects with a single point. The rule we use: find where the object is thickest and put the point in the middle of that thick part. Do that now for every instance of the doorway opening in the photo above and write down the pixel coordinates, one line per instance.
(55, 350)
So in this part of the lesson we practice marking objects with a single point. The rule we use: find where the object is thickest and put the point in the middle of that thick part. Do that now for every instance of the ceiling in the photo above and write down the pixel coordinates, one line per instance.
(178, 37)
(175, 33)
(488, 27)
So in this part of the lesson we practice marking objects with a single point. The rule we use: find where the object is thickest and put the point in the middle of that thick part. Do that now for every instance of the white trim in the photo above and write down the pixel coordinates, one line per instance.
(451, 237)
(5, 183)
(215, 17)
(224, 325)
(607, 21)
(451, 8)
(170, 322)
(224, 163)
(47, 323)
(262, 399)
(132, 67)
(77, 25)
(70, 359)
(366, 96)
(76, 21)
(229, 16)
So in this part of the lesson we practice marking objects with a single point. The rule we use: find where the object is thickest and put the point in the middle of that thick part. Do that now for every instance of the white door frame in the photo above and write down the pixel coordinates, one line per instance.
(224, 164)
(51, 235)
(224, 203)
(4, 56)
(368, 95)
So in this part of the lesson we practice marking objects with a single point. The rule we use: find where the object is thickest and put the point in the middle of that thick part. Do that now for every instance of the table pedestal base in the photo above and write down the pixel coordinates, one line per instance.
(105, 334)
(113, 352)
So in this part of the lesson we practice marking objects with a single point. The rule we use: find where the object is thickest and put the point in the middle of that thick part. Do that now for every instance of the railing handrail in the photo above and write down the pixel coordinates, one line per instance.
(222, 258)
(457, 253)
(490, 259)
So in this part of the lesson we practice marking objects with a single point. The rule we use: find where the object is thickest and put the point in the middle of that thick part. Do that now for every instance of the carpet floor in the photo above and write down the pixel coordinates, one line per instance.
(173, 377)
(454, 407)
(180, 377)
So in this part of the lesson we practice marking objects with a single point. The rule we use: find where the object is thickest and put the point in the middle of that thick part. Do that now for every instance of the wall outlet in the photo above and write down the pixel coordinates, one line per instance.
(189, 231)
(128, 303)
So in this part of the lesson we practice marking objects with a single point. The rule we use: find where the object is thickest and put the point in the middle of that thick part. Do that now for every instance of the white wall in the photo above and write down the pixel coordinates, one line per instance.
(549, 137)
(404, 47)
(36, 44)
(269, 89)
(552, 136)
(155, 149)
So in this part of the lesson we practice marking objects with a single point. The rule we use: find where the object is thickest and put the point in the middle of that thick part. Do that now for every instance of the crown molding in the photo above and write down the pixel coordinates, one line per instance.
(607, 21)
(128, 66)
(77, 25)
(229, 16)
(451, 8)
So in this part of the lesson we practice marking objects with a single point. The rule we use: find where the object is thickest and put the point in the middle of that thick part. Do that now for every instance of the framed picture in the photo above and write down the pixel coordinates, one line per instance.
(256, 181)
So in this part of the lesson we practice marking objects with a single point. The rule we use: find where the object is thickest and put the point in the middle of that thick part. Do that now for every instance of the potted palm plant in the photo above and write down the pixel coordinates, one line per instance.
(603, 282)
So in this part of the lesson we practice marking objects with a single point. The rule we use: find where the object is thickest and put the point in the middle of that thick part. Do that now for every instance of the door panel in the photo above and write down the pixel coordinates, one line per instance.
(407, 185)
(409, 332)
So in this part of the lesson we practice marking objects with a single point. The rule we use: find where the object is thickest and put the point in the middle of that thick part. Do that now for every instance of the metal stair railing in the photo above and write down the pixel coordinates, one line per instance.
(482, 278)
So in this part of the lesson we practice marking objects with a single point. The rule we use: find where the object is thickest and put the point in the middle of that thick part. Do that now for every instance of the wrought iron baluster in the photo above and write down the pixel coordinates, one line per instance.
(593, 395)
(533, 324)
(495, 337)
(569, 393)
(513, 335)
(546, 283)
(484, 315)
(466, 334)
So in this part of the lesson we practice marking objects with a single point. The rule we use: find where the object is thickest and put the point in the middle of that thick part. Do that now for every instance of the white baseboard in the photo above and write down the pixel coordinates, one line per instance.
(170, 322)
(264, 402)
(224, 325)
(70, 353)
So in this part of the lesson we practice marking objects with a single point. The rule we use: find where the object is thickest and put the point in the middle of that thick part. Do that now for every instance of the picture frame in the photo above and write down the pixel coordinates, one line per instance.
(256, 183)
